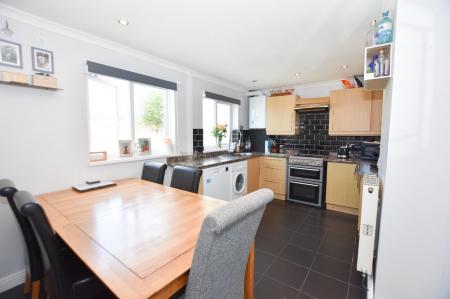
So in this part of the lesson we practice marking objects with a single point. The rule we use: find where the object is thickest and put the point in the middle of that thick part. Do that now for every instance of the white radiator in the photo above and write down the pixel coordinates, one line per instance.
(368, 225)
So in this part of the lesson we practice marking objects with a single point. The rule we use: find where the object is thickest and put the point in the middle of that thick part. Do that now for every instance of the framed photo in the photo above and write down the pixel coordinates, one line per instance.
(42, 60)
(125, 148)
(10, 54)
(145, 146)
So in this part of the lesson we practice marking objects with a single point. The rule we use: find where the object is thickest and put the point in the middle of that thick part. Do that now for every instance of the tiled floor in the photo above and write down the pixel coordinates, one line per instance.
(304, 252)
(301, 252)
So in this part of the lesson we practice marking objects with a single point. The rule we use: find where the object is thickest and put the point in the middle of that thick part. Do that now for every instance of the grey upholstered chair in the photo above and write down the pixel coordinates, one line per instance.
(154, 172)
(223, 247)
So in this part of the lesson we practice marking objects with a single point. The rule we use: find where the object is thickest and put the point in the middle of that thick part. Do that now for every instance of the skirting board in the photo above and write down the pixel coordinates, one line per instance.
(12, 280)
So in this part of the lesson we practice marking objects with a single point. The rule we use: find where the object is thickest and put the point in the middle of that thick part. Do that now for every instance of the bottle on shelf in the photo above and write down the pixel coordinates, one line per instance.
(372, 34)
(381, 62)
(385, 29)
(376, 66)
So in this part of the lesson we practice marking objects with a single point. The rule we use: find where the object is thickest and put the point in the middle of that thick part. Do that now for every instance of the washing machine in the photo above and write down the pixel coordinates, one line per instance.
(239, 179)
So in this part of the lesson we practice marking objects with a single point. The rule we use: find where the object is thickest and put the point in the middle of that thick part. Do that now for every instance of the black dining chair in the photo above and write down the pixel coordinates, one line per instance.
(35, 271)
(154, 172)
(66, 276)
(186, 178)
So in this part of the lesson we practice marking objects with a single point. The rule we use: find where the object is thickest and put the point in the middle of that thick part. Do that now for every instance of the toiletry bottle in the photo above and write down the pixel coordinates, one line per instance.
(385, 29)
(376, 66)
(386, 66)
(381, 62)
(372, 34)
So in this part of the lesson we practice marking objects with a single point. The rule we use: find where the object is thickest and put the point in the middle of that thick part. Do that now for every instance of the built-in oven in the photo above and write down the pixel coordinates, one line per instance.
(305, 180)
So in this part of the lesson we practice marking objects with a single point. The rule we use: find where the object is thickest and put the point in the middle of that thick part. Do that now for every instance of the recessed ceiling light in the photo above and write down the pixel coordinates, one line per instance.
(344, 66)
(254, 81)
(123, 22)
(297, 74)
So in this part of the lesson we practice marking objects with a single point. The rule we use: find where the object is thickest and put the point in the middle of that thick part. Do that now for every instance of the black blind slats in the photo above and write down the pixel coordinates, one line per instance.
(222, 98)
(110, 71)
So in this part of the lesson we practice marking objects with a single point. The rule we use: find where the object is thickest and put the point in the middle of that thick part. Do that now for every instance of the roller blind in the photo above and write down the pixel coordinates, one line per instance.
(110, 71)
(222, 98)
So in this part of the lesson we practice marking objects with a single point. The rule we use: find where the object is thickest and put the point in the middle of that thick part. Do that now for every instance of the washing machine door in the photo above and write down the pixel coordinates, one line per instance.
(239, 183)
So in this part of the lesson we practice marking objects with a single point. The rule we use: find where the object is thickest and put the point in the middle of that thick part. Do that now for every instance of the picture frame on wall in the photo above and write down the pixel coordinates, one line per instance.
(10, 54)
(125, 148)
(145, 146)
(42, 60)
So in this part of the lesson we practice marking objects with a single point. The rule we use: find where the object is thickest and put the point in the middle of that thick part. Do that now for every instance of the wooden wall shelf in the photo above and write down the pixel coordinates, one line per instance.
(29, 85)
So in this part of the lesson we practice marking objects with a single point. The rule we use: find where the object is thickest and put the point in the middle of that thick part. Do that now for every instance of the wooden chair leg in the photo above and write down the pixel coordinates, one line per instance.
(249, 274)
(27, 284)
(35, 289)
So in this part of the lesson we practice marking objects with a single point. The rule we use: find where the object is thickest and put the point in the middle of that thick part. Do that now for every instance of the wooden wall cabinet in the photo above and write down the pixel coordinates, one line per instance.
(355, 112)
(281, 118)
(343, 192)
(273, 175)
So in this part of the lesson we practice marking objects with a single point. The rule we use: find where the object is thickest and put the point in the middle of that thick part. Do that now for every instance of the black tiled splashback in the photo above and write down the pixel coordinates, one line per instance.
(197, 140)
(314, 138)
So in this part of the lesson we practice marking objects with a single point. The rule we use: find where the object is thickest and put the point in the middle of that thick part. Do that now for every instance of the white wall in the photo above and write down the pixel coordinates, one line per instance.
(44, 134)
(413, 253)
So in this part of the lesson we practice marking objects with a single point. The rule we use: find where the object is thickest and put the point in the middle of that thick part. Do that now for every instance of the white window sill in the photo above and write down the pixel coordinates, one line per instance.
(130, 159)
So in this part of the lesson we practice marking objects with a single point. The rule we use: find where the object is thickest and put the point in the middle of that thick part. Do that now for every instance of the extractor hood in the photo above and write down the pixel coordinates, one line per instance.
(312, 104)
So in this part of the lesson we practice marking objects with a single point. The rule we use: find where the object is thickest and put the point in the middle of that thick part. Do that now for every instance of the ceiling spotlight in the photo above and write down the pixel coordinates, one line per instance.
(6, 29)
(344, 66)
(123, 22)
(297, 74)
(254, 81)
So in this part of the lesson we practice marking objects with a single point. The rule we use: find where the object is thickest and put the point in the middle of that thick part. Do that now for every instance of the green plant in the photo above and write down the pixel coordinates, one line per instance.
(219, 131)
(153, 116)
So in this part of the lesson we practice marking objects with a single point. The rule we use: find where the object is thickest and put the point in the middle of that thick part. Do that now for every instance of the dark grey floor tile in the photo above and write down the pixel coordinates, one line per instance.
(263, 261)
(14, 293)
(314, 231)
(324, 287)
(306, 241)
(287, 273)
(338, 251)
(271, 289)
(356, 293)
(297, 255)
(257, 277)
(275, 232)
(304, 296)
(268, 245)
(356, 277)
(314, 221)
(331, 267)
(342, 240)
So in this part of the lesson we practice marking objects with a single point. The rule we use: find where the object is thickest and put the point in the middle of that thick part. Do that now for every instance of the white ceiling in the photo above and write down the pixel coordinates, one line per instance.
(236, 40)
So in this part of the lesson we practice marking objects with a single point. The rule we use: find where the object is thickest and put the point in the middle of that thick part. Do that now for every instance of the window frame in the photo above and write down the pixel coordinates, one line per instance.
(169, 129)
(234, 123)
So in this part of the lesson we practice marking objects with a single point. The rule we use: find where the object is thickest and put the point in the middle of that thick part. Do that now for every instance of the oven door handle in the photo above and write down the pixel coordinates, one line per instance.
(303, 168)
(300, 183)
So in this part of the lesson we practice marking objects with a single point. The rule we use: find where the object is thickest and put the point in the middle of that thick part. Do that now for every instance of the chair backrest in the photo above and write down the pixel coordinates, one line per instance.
(58, 283)
(186, 178)
(8, 189)
(223, 247)
(154, 172)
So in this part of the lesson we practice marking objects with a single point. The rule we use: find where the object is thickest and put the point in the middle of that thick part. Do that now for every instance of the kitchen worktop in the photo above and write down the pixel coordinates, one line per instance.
(202, 162)
(364, 165)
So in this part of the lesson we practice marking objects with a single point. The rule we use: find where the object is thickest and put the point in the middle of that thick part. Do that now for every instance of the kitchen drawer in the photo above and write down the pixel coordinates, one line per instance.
(273, 174)
(276, 163)
(276, 187)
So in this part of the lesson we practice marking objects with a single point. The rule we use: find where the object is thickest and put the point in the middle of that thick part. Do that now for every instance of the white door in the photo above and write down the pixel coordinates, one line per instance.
(257, 112)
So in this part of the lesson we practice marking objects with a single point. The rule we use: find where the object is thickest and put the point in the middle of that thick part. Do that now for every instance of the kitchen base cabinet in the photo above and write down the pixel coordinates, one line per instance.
(343, 188)
(253, 174)
(273, 176)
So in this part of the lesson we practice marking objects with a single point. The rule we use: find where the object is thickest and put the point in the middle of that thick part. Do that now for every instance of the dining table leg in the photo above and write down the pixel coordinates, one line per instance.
(249, 274)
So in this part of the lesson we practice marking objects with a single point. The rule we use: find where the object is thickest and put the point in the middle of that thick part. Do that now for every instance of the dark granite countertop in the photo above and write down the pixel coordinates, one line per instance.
(220, 159)
(364, 166)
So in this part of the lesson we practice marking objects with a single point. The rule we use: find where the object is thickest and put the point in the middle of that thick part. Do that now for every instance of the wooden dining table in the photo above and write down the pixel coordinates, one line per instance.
(137, 237)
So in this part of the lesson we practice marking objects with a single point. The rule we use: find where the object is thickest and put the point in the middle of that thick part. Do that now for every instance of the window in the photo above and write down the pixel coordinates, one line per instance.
(218, 113)
(124, 110)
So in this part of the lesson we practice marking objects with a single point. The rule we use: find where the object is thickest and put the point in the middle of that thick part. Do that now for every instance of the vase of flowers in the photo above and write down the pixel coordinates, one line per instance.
(219, 131)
